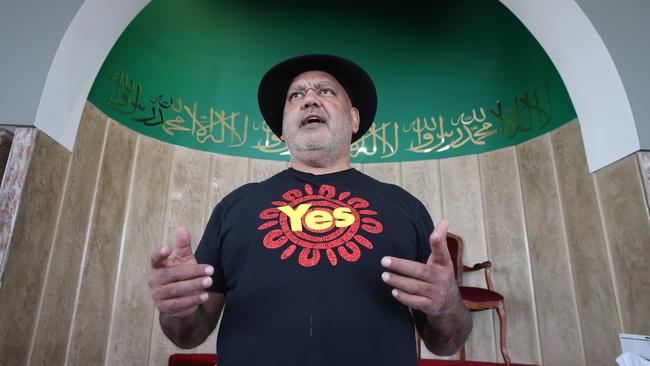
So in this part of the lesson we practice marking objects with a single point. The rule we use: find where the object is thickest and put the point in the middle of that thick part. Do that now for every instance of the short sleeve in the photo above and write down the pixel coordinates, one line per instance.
(209, 250)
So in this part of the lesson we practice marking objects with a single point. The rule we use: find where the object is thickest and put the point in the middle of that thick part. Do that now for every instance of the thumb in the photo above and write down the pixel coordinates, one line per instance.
(438, 242)
(184, 245)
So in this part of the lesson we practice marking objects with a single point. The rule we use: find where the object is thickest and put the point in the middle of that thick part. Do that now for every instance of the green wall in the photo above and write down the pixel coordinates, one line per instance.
(453, 77)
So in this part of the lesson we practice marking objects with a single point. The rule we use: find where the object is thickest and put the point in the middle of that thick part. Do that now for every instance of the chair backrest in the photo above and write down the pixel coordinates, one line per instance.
(455, 247)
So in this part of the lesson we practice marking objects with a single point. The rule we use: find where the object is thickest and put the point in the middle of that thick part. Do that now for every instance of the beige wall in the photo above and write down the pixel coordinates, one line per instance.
(569, 248)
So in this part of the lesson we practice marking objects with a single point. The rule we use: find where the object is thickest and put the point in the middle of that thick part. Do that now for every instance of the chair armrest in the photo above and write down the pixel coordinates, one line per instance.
(487, 265)
(477, 266)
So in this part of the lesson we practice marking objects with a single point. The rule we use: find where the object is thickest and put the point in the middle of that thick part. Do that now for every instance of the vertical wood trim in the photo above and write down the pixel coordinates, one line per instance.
(163, 232)
(120, 255)
(463, 207)
(587, 248)
(554, 296)
(132, 313)
(49, 259)
(85, 248)
(610, 258)
(505, 237)
(566, 247)
(50, 340)
(529, 262)
(627, 226)
(96, 292)
(189, 181)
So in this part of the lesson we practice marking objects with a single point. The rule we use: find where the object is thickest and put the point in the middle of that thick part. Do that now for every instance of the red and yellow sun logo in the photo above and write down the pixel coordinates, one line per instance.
(315, 222)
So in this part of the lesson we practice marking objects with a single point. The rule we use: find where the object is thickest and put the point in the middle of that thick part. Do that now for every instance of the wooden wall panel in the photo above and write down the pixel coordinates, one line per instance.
(226, 174)
(51, 339)
(538, 193)
(90, 326)
(462, 205)
(627, 224)
(422, 179)
(385, 172)
(559, 328)
(186, 202)
(132, 309)
(593, 284)
(260, 170)
(507, 248)
(24, 274)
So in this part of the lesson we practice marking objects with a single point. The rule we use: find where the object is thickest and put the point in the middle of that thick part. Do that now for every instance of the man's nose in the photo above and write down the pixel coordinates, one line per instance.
(311, 99)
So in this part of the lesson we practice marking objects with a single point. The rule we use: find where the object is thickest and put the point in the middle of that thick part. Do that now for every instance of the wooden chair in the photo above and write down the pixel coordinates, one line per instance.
(475, 298)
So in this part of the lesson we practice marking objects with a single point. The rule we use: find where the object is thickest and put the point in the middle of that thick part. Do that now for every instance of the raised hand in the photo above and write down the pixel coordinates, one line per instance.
(429, 287)
(176, 281)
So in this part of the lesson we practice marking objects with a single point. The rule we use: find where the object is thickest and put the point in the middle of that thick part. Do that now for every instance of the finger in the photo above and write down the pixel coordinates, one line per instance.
(181, 273)
(438, 242)
(179, 306)
(413, 301)
(409, 285)
(408, 268)
(159, 256)
(180, 289)
(183, 245)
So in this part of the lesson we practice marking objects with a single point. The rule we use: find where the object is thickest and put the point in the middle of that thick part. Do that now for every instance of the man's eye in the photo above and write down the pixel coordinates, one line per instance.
(326, 91)
(294, 95)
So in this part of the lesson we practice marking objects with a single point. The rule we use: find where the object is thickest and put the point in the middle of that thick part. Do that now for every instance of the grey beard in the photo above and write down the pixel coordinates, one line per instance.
(316, 151)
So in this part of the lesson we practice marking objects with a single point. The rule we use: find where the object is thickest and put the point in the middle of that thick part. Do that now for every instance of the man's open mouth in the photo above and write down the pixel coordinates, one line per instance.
(312, 119)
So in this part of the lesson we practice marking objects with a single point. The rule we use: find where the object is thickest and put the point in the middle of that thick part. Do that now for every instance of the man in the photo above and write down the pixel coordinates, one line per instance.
(320, 264)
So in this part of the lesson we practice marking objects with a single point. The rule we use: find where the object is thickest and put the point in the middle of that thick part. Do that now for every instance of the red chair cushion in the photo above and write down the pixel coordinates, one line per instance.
(192, 359)
(477, 294)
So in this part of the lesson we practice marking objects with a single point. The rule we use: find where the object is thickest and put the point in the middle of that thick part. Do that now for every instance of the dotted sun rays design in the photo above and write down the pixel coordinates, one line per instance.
(331, 240)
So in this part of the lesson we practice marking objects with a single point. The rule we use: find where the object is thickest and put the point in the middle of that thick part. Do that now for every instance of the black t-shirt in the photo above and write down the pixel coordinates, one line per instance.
(298, 257)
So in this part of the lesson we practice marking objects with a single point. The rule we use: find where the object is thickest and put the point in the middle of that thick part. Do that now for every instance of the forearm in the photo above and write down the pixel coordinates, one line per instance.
(445, 333)
(187, 332)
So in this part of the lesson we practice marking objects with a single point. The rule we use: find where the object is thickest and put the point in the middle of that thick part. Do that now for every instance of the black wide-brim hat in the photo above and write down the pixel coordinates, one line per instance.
(273, 88)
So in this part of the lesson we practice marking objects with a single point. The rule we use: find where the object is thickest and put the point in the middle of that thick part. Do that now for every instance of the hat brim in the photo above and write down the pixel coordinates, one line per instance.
(274, 85)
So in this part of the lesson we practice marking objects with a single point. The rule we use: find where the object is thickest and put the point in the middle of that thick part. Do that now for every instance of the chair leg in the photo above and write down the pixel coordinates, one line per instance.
(462, 352)
(502, 325)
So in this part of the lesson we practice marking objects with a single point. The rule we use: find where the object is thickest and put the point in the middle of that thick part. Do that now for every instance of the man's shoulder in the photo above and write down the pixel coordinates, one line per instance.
(395, 193)
(239, 193)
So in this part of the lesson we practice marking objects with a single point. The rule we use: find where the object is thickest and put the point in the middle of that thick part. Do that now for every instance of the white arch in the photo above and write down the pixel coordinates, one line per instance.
(560, 26)
(83, 48)
(589, 73)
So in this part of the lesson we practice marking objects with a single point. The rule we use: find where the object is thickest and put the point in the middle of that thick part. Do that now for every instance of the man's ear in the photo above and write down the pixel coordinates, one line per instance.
(356, 119)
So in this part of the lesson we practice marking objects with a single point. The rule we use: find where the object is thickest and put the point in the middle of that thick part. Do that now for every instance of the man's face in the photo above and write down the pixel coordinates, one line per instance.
(318, 115)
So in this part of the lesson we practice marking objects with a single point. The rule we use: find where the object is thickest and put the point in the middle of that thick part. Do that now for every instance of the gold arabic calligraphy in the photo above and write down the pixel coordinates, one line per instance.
(434, 135)
(426, 135)
(215, 126)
